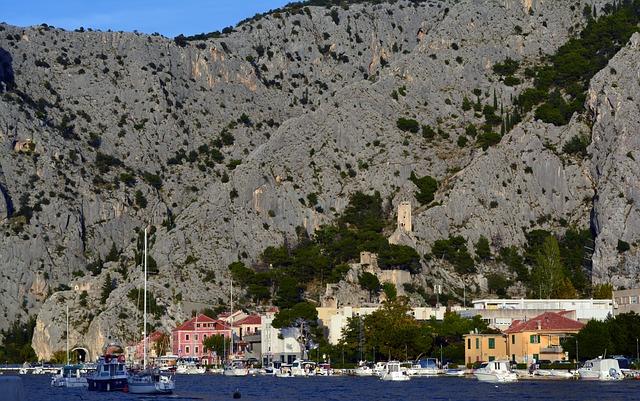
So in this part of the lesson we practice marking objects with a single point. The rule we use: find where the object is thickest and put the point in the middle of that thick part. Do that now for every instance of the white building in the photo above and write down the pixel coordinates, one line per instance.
(278, 344)
(335, 320)
(585, 309)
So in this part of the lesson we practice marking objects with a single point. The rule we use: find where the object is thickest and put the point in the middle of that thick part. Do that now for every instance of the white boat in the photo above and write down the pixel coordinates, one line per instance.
(69, 376)
(364, 370)
(148, 381)
(379, 368)
(283, 371)
(392, 372)
(454, 372)
(600, 369)
(425, 367)
(189, 369)
(237, 367)
(303, 368)
(111, 373)
(495, 372)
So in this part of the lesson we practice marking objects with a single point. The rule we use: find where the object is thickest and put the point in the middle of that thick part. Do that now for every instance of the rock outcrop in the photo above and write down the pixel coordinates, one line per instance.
(217, 144)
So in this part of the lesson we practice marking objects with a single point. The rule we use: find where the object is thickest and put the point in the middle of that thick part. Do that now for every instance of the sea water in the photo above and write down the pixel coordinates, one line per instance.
(262, 388)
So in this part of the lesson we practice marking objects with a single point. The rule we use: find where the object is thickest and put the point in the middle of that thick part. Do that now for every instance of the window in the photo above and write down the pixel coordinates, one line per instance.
(197, 324)
(196, 350)
(536, 357)
(513, 339)
(634, 299)
(186, 337)
(513, 357)
(492, 344)
(477, 343)
(534, 339)
(196, 337)
(186, 349)
(468, 343)
(204, 336)
(492, 358)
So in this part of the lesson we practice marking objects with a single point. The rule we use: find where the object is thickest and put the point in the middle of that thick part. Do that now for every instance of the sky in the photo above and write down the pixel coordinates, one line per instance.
(169, 18)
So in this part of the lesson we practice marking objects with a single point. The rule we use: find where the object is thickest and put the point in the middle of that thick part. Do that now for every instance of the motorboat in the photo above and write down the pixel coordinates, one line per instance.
(111, 373)
(69, 376)
(237, 367)
(379, 368)
(364, 370)
(601, 369)
(303, 368)
(167, 363)
(495, 372)
(425, 367)
(150, 382)
(393, 372)
(454, 372)
(284, 371)
(190, 366)
(324, 369)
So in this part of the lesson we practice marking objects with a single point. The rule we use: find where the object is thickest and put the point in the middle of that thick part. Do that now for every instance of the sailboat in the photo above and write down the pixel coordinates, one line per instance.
(148, 381)
(235, 367)
(69, 375)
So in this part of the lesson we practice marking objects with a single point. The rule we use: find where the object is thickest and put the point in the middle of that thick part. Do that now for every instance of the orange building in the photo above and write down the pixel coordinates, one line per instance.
(524, 341)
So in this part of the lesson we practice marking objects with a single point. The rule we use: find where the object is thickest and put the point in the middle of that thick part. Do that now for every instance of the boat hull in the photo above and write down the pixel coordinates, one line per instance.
(107, 385)
(149, 388)
(496, 378)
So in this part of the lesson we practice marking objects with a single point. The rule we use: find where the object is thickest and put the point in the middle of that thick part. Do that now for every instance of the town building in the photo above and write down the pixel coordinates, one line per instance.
(536, 339)
(334, 319)
(246, 333)
(625, 301)
(501, 319)
(187, 339)
(278, 344)
(156, 341)
(585, 309)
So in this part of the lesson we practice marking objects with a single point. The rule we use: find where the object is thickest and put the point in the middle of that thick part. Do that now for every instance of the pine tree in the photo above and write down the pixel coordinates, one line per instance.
(107, 287)
(495, 100)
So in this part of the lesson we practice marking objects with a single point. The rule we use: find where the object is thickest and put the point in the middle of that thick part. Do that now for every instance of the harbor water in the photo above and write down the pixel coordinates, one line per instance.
(209, 387)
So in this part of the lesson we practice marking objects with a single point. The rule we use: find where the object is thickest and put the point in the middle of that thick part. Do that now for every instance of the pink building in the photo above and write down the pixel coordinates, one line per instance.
(152, 339)
(187, 338)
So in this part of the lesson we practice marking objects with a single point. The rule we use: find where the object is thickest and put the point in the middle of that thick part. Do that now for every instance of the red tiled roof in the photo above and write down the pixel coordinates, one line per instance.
(191, 323)
(251, 319)
(548, 321)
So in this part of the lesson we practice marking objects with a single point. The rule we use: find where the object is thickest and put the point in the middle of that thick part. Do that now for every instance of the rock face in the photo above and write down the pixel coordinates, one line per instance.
(613, 102)
(214, 143)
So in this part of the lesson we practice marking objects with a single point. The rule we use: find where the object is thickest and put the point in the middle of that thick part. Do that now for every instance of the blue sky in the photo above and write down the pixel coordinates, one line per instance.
(169, 18)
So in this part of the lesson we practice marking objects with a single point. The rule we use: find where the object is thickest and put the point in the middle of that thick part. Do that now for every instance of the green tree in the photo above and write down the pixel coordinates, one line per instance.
(483, 251)
(16, 342)
(217, 344)
(427, 186)
(390, 291)
(603, 291)
(107, 287)
(408, 124)
(548, 272)
(370, 283)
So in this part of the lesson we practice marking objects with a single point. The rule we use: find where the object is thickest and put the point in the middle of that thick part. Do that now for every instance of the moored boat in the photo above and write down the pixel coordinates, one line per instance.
(495, 372)
(392, 372)
(150, 382)
(111, 373)
(69, 376)
(600, 369)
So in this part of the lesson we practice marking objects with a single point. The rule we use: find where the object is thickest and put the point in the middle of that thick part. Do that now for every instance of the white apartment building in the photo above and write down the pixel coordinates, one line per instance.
(585, 309)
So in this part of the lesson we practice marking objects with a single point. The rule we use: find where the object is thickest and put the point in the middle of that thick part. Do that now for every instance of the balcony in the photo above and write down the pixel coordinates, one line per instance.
(553, 349)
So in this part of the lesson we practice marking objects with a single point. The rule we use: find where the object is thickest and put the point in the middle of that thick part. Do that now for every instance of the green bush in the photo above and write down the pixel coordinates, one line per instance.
(408, 125)
(487, 139)
(577, 145)
(507, 67)
(427, 186)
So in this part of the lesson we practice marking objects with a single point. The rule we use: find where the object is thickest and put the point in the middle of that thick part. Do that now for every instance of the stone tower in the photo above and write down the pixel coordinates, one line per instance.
(404, 216)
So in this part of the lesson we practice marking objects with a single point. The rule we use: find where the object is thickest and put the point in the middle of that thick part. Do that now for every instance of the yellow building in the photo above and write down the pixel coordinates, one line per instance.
(524, 341)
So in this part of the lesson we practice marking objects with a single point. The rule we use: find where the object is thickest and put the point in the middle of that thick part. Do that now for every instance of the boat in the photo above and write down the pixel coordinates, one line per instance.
(454, 372)
(495, 372)
(189, 365)
(303, 368)
(364, 370)
(284, 370)
(425, 367)
(324, 369)
(378, 368)
(69, 376)
(167, 363)
(237, 367)
(111, 372)
(603, 369)
(392, 372)
(148, 381)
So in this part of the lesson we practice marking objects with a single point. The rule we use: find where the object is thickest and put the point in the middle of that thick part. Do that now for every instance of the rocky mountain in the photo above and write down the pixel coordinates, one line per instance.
(237, 142)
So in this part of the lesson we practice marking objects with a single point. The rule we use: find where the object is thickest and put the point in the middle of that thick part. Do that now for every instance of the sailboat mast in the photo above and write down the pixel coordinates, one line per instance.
(67, 334)
(144, 328)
